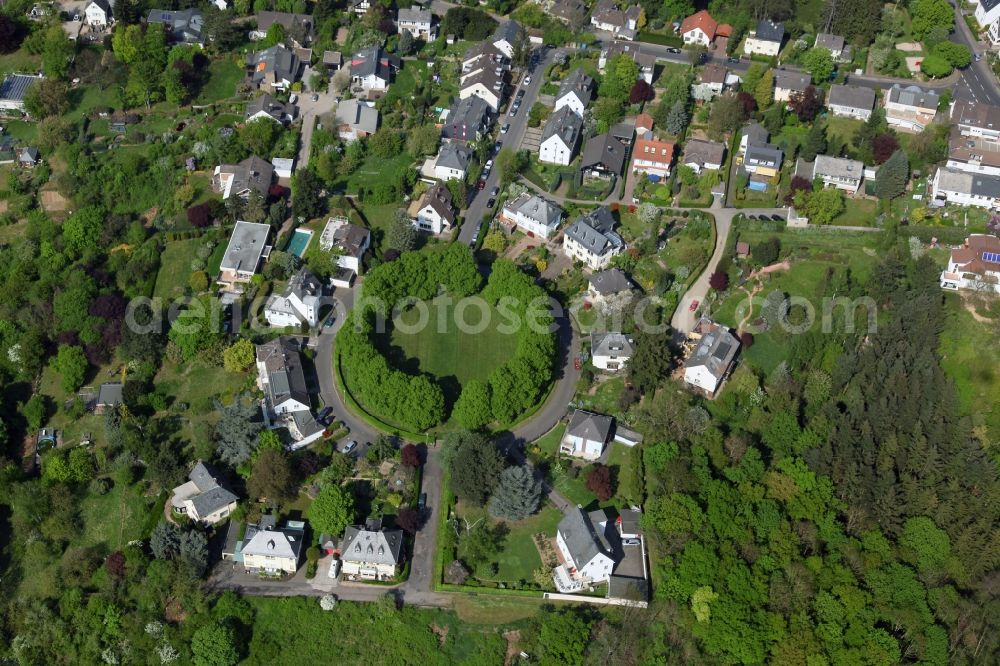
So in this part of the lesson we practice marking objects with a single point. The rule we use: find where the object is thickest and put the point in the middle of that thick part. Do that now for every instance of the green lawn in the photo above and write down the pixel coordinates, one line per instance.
(857, 213)
(375, 169)
(442, 349)
(223, 77)
(549, 444)
(971, 357)
(605, 398)
(175, 267)
(196, 385)
(519, 557)
(841, 130)
(116, 518)
(87, 98)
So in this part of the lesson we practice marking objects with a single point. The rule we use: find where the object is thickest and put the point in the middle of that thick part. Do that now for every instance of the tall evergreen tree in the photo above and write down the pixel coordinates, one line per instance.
(890, 181)
(518, 494)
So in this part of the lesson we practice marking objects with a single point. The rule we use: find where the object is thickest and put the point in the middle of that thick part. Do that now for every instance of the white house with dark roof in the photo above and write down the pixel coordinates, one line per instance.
(560, 137)
(604, 156)
(976, 119)
(184, 26)
(610, 351)
(252, 174)
(788, 83)
(965, 189)
(468, 120)
(488, 84)
(840, 172)
(607, 284)
(373, 69)
(505, 37)
(712, 357)
(371, 552)
(832, 43)
(355, 119)
(274, 68)
(532, 214)
(988, 16)
(622, 23)
(269, 549)
(701, 154)
(592, 240)
(269, 107)
(246, 250)
(710, 84)
(910, 108)
(452, 161)
(766, 39)
(585, 552)
(97, 13)
(417, 21)
(576, 91)
(202, 499)
(851, 101)
(433, 211)
(286, 396)
(350, 240)
(298, 304)
(586, 435)
(975, 265)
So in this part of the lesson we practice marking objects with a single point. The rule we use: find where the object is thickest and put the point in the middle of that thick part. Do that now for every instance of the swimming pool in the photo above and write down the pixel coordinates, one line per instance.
(300, 241)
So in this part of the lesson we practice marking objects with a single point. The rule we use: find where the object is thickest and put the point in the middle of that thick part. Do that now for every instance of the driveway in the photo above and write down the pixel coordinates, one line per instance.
(425, 541)
(309, 111)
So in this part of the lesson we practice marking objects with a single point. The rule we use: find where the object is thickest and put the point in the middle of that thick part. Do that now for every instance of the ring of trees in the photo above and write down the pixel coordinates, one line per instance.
(416, 401)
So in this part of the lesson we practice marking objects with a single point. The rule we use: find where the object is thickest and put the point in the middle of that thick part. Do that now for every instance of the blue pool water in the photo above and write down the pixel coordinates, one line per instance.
(300, 240)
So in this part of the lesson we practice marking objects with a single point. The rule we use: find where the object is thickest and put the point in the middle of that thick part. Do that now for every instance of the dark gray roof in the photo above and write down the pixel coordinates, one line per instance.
(469, 117)
(699, 151)
(755, 133)
(986, 186)
(283, 366)
(438, 197)
(109, 394)
(414, 15)
(716, 351)
(253, 173)
(611, 344)
(628, 588)
(594, 232)
(454, 156)
(588, 425)
(763, 155)
(629, 519)
(565, 124)
(374, 60)
(304, 284)
(611, 281)
(506, 31)
(536, 208)
(914, 96)
(277, 63)
(604, 151)
(288, 21)
(582, 537)
(788, 80)
(211, 496)
(825, 40)
(986, 116)
(855, 97)
(580, 83)
(988, 5)
(285, 541)
(382, 546)
(770, 31)
(14, 86)
(358, 115)
(184, 25)
(272, 106)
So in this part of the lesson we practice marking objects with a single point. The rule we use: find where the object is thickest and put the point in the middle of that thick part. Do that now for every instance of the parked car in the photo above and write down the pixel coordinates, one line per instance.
(520, 93)
(673, 49)
(491, 202)
(422, 501)
(495, 191)
(334, 569)
(293, 98)
(315, 97)
(694, 305)
(576, 363)
(489, 164)
(734, 60)
(481, 184)
(504, 128)
(329, 321)
(513, 112)
(527, 80)
(351, 445)
(630, 542)
(324, 416)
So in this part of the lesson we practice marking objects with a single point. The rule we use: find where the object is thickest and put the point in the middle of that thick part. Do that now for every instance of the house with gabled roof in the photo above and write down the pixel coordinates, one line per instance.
(586, 435)
(371, 552)
(281, 377)
(275, 68)
(623, 23)
(710, 84)
(269, 549)
(652, 156)
(603, 156)
(832, 43)
(297, 27)
(417, 21)
(701, 154)
(184, 26)
(373, 69)
(433, 212)
(355, 119)
(350, 240)
(610, 351)
(788, 83)
(586, 554)
(576, 91)
(532, 214)
(298, 304)
(592, 239)
(700, 28)
(505, 37)
(975, 265)
(910, 108)
(452, 161)
(766, 39)
(712, 357)
(560, 137)
(97, 13)
(488, 84)
(965, 189)
(468, 120)
(202, 498)
(272, 108)
(851, 101)
(251, 175)
(840, 172)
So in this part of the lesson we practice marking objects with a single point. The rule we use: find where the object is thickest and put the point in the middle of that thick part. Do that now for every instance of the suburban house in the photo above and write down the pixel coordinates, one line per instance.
(701, 154)
(645, 61)
(484, 55)
(622, 23)
(252, 174)
(13, 89)
(603, 156)
(766, 39)
(570, 12)
(27, 157)
(202, 499)
(433, 212)
(534, 215)
(975, 265)
(610, 351)
(276, 68)
(712, 357)
(183, 26)
(269, 549)
(586, 435)
(910, 108)
(839, 172)
(701, 28)
(753, 133)
(419, 22)
(975, 154)
(711, 83)
(286, 396)
(272, 108)
(297, 27)
(97, 14)
(505, 37)
(360, 7)
(468, 120)
(298, 304)
(584, 551)
(356, 119)
(592, 239)
(575, 91)
(372, 68)
(764, 161)
(560, 137)
(988, 16)
(246, 250)
(652, 156)
(976, 119)
(965, 189)
(370, 552)
(607, 284)
(851, 101)
(787, 83)
(350, 240)
(486, 83)
(452, 161)
(108, 395)
(832, 43)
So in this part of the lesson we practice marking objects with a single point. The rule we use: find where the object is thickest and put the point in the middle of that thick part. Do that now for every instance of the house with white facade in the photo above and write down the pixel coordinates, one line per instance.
(371, 552)
(355, 119)
(586, 435)
(976, 119)
(433, 212)
(766, 39)
(910, 108)
(840, 172)
(532, 214)
(622, 23)
(268, 107)
(988, 16)
(832, 43)
(298, 304)
(712, 357)
(373, 69)
(585, 552)
(505, 37)
(560, 137)
(701, 154)
(275, 68)
(418, 22)
(97, 14)
(592, 240)
(851, 101)
(965, 189)
(269, 549)
(281, 378)
(576, 91)
(710, 84)
(701, 29)
(644, 59)
(201, 498)
(350, 240)
(975, 154)
(246, 251)
(788, 83)
(486, 83)
(468, 120)
(652, 156)
(974, 266)
(611, 351)
(452, 161)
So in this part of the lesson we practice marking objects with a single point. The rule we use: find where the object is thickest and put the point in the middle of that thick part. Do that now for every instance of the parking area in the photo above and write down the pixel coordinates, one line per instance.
(532, 137)
(632, 563)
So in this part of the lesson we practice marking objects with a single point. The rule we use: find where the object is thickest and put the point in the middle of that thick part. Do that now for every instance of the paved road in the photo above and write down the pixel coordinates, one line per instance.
(512, 139)
(978, 81)
(566, 378)
(309, 111)
(425, 541)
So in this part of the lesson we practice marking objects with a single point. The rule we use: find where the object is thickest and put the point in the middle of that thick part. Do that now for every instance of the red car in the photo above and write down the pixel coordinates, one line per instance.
(694, 305)
(576, 363)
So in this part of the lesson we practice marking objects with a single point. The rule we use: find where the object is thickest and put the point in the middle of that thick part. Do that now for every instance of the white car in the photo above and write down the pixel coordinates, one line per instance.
(504, 128)
(527, 80)
(334, 569)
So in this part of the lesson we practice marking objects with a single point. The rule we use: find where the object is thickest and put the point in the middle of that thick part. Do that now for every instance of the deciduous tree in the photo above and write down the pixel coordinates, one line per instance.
(332, 510)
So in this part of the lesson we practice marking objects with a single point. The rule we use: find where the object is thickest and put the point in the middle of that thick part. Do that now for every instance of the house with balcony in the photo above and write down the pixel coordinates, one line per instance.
(611, 351)
(355, 119)
(585, 552)
(965, 189)
(652, 156)
(592, 240)
(372, 69)
(976, 119)
(371, 552)
(840, 172)
(488, 84)
(623, 23)
(246, 251)
(710, 84)
(975, 154)
(532, 214)
(711, 359)
(910, 108)
(603, 156)
(280, 376)
(271, 108)
(701, 29)
(251, 175)
(452, 161)
(271, 550)
(468, 120)
(349, 240)
(275, 68)
(974, 266)
(433, 211)
(586, 435)
(701, 154)
(418, 22)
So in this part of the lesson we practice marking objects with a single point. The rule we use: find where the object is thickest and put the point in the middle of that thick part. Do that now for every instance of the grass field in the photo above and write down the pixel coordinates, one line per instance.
(223, 77)
(442, 349)
(857, 213)
(971, 357)
(519, 557)
(196, 384)
(605, 397)
(175, 267)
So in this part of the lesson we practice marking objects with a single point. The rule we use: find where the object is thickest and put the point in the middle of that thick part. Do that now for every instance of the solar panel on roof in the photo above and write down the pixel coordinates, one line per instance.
(992, 257)
(723, 350)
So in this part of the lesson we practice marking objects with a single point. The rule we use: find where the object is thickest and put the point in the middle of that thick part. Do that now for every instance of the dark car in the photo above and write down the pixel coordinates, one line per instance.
(520, 93)
(489, 204)
(329, 321)
(495, 191)
(777, 218)
(734, 60)
(422, 501)
(325, 416)
(673, 49)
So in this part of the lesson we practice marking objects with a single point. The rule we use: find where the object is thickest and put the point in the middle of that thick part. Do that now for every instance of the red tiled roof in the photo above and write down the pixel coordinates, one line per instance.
(724, 30)
(701, 20)
(644, 120)
(653, 150)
